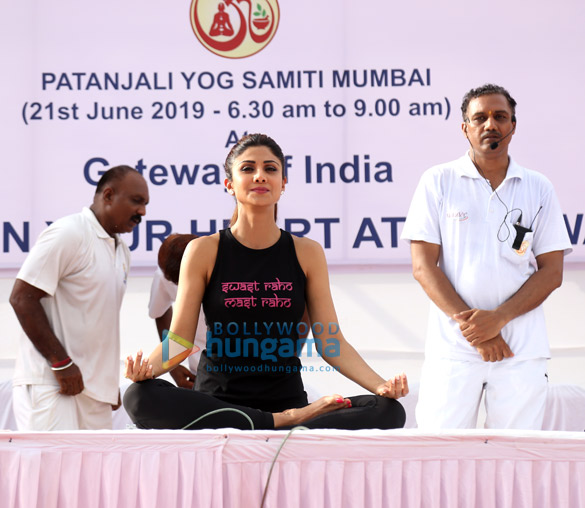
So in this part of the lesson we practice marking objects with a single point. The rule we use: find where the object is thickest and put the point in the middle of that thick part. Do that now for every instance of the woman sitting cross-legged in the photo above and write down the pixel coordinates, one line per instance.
(254, 281)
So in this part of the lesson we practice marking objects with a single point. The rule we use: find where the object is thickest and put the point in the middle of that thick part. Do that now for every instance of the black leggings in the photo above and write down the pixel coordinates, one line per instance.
(158, 404)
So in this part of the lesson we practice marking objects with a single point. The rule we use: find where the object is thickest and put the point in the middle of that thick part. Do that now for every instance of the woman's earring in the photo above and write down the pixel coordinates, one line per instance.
(281, 192)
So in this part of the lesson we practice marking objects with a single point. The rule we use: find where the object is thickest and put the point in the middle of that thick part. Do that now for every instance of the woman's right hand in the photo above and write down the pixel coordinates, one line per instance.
(138, 370)
(394, 388)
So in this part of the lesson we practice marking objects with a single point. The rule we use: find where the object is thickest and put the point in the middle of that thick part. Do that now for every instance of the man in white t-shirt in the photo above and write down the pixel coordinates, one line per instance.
(67, 297)
(163, 293)
(477, 227)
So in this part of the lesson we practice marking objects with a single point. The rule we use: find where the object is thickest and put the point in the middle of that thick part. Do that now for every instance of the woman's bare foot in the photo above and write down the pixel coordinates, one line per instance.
(302, 414)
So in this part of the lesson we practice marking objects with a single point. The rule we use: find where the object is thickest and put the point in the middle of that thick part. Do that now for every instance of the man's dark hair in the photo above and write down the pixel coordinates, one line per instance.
(112, 175)
(170, 255)
(488, 89)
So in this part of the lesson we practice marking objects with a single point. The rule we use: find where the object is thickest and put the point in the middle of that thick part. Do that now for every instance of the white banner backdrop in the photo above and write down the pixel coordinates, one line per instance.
(362, 96)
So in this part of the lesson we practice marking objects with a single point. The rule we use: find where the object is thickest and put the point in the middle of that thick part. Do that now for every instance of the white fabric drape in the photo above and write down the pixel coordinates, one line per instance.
(323, 468)
(565, 408)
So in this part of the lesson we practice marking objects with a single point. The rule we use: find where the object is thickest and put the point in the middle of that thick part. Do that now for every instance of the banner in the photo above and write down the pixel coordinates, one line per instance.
(362, 97)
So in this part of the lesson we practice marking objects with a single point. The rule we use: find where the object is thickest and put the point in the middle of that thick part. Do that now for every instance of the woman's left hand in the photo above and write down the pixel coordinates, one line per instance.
(394, 388)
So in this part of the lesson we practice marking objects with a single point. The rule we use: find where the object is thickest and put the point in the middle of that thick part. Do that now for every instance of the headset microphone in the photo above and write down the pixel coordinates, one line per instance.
(520, 230)
(495, 144)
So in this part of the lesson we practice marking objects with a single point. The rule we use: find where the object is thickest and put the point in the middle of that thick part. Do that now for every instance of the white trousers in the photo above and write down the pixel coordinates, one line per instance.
(42, 407)
(451, 391)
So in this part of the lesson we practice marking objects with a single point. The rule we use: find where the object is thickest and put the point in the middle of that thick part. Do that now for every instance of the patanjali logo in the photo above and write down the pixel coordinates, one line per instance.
(235, 28)
(523, 248)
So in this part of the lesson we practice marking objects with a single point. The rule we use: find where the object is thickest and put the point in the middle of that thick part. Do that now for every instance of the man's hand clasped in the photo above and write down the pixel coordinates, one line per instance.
(482, 329)
(183, 377)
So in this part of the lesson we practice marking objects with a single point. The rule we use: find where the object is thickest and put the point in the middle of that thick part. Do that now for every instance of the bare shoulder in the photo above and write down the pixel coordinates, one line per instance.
(302, 244)
(201, 253)
(204, 242)
(309, 252)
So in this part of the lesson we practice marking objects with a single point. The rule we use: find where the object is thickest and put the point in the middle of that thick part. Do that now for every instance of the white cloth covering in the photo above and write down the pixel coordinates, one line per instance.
(318, 468)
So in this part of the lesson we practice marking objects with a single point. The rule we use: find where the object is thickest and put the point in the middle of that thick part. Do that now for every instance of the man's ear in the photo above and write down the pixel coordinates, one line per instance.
(108, 194)
(464, 129)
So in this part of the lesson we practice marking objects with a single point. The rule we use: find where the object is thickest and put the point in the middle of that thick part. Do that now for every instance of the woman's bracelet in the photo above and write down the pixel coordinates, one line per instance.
(62, 365)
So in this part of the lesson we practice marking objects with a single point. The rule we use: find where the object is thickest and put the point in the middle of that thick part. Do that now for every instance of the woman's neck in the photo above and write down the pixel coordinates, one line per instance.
(256, 231)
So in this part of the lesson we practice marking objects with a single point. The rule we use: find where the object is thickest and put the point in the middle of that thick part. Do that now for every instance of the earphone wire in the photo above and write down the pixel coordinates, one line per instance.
(508, 211)
(298, 427)
(221, 410)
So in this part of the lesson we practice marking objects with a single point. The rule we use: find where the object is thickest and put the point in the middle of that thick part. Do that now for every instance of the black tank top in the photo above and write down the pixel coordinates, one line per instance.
(253, 304)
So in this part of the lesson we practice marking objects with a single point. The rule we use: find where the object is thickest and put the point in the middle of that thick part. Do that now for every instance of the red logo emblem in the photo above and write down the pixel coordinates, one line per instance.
(235, 28)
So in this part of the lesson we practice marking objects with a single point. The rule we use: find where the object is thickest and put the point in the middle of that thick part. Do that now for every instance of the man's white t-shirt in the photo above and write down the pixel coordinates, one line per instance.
(84, 272)
(454, 207)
